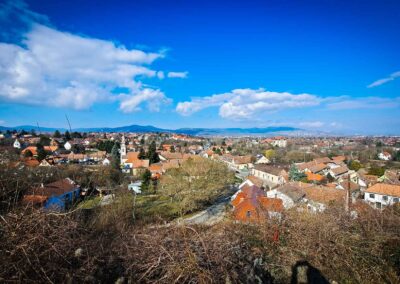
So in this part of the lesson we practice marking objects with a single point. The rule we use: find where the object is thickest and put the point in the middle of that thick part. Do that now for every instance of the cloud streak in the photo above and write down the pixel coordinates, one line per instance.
(382, 81)
(343, 103)
(181, 75)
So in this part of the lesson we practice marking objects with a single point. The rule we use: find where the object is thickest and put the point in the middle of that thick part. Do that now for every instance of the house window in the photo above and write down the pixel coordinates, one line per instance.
(372, 196)
(378, 205)
(248, 214)
(395, 200)
(385, 198)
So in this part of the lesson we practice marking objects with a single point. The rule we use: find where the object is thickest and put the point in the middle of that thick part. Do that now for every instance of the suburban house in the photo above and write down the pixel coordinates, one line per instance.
(338, 172)
(106, 162)
(31, 162)
(17, 144)
(318, 198)
(237, 163)
(68, 146)
(261, 159)
(271, 176)
(132, 164)
(252, 205)
(382, 194)
(33, 149)
(47, 162)
(290, 193)
(315, 178)
(56, 196)
(391, 177)
(279, 142)
(385, 156)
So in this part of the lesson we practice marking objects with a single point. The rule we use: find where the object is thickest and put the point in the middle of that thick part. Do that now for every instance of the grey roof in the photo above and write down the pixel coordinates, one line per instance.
(294, 192)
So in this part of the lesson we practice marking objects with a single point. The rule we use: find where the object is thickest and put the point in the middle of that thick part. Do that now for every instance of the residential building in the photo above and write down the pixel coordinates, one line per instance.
(385, 156)
(252, 205)
(56, 196)
(381, 195)
(271, 176)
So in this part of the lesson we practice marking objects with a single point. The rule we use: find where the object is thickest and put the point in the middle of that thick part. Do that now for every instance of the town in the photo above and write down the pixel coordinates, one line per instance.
(168, 179)
(200, 141)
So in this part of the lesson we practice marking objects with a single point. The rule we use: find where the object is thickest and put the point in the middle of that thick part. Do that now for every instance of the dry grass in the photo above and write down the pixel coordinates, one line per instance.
(38, 247)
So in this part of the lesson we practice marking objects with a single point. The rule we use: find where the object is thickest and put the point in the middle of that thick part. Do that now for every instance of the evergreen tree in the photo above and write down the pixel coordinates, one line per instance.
(57, 134)
(44, 140)
(41, 152)
(172, 150)
(146, 179)
(115, 157)
(152, 153)
(142, 154)
(295, 174)
(67, 135)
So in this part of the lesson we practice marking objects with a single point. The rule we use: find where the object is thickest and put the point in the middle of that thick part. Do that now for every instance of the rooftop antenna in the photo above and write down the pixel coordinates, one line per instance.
(69, 124)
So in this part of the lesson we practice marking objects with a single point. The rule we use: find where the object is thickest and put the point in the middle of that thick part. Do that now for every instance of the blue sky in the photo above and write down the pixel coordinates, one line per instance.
(318, 65)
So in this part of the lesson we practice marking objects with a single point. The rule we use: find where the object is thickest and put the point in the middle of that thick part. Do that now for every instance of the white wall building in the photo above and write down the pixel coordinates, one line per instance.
(17, 144)
(382, 194)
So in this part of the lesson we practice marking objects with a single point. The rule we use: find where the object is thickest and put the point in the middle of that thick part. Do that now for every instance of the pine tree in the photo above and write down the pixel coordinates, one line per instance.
(67, 135)
(146, 179)
(152, 153)
(41, 152)
(57, 134)
(115, 157)
(295, 174)
(142, 154)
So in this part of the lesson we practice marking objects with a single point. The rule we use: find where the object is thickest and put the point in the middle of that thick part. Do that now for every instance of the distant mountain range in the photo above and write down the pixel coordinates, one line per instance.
(189, 131)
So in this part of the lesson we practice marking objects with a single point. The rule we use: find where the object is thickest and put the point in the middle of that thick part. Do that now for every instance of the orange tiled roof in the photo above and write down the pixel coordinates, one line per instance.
(314, 177)
(385, 189)
(50, 148)
(251, 204)
(32, 149)
(31, 163)
(132, 157)
(155, 168)
(324, 195)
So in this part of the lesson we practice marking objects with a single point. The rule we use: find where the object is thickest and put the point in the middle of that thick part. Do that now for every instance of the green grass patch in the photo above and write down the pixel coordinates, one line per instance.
(156, 207)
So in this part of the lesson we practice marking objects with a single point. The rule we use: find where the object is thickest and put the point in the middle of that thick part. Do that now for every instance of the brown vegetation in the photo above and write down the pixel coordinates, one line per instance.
(38, 247)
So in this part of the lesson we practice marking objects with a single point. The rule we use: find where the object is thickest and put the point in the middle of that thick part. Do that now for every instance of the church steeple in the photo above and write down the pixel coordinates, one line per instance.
(123, 148)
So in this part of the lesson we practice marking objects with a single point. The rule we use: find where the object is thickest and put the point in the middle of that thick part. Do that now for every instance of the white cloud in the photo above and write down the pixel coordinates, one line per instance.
(178, 74)
(66, 70)
(55, 68)
(382, 81)
(242, 104)
(153, 98)
(364, 103)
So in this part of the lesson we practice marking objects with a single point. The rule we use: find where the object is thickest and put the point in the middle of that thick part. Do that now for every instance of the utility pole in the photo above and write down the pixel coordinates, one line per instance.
(347, 204)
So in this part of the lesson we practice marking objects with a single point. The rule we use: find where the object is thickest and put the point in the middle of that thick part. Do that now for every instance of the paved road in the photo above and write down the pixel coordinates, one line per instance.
(212, 214)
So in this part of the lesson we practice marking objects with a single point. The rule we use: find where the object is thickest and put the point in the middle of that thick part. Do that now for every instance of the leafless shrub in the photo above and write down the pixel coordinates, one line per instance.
(39, 247)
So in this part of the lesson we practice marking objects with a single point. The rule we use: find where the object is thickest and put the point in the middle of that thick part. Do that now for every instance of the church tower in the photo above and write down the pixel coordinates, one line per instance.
(123, 148)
